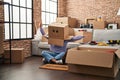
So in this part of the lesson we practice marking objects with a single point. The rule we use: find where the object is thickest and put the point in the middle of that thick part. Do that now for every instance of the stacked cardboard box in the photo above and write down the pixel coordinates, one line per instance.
(17, 55)
(94, 61)
(57, 33)
(87, 34)
(72, 22)
(99, 24)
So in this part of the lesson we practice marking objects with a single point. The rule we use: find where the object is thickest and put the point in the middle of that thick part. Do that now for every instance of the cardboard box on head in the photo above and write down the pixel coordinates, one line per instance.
(57, 33)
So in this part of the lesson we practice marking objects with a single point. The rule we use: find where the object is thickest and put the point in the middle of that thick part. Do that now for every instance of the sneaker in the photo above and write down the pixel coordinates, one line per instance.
(44, 61)
(59, 62)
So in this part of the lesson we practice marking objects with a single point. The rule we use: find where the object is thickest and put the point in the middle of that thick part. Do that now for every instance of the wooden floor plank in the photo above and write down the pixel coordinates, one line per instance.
(54, 67)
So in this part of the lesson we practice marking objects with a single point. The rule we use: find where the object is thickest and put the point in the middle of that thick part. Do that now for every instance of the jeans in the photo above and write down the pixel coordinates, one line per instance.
(48, 55)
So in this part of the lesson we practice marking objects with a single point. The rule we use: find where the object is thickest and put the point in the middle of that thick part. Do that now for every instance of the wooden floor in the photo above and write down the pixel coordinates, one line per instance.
(29, 70)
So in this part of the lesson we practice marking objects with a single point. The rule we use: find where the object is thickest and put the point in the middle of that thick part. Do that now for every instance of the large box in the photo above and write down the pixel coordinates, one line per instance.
(72, 22)
(99, 24)
(58, 31)
(94, 61)
(86, 39)
(17, 55)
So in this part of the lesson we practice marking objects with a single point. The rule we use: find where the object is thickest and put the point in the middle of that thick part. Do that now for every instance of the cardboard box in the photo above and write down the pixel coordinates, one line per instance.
(71, 32)
(94, 61)
(86, 39)
(17, 55)
(44, 39)
(99, 24)
(72, 22)
(58, 42)
(58, 31)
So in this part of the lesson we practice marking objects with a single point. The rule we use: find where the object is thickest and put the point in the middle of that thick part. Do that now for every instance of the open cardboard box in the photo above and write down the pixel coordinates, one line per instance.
(94, 61)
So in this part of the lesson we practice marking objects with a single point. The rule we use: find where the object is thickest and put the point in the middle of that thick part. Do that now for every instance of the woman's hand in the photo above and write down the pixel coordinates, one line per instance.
(40, 24)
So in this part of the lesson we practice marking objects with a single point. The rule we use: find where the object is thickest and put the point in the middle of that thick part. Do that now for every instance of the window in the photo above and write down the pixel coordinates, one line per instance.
(20, 19)
(49, 12)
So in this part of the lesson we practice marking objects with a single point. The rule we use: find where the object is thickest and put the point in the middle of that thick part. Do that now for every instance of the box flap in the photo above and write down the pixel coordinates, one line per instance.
(57, 25)
(90, 57)
(117, 52)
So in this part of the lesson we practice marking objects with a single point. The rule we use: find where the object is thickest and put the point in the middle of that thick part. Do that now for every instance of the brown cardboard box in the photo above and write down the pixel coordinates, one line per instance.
(71, 32)
(44, 39)
(58, 31)
(72, 22)
(58, 42)
(17, 55)
(102, 62)
(86, 39)
(99, 24)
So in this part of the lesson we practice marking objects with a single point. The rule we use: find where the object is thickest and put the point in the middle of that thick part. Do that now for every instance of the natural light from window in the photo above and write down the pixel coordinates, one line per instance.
(49, 12)
(20, 19)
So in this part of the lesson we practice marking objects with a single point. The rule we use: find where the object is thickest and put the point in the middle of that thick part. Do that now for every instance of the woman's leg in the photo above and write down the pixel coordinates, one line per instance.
(48, 55)
(59, 55)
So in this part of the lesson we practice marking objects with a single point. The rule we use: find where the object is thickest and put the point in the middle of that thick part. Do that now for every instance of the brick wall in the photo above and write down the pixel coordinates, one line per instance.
(62, 8)
(82, 9)
(1, 30)
(36, 14)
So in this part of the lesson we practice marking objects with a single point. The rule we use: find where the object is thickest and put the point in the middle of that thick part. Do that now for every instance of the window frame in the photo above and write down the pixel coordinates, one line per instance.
(19, 23)
(44, 23)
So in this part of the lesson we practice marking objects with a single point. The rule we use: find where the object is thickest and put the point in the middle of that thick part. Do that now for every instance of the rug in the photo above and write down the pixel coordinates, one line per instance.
(54, 67)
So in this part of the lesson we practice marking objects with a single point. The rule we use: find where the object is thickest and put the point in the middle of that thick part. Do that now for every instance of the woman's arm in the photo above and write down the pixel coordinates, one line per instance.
(75, 38)
(42, 31)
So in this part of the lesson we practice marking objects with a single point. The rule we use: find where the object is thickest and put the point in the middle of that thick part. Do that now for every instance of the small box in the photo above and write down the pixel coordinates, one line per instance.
(99, 24)
(72, 22)
(17, 55)
(86, 39)
(94, 61)
(58, 31)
